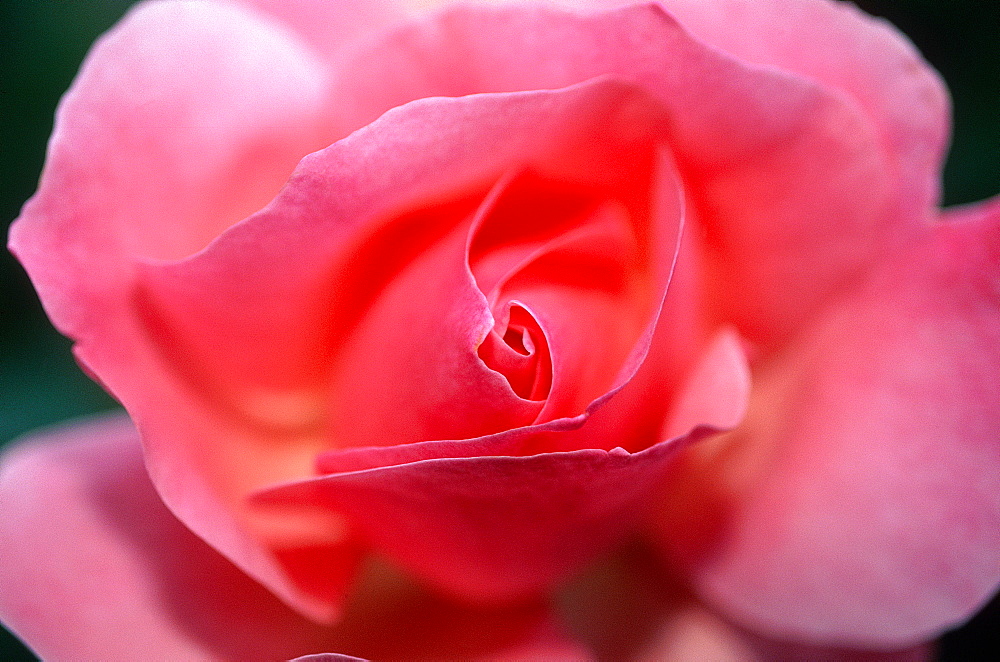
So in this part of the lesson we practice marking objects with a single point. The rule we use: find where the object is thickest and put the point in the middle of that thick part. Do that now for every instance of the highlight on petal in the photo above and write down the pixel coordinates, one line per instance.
(331, 28)
(860, 503)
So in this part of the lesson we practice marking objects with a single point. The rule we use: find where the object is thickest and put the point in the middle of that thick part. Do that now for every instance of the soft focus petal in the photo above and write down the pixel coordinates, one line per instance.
(860, 503)
(627, 606)
(693, 632)
(717, 390)
(331, 26)
(95, 567)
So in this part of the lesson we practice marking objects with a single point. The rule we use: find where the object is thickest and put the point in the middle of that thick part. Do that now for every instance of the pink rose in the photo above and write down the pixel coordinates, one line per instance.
(485, 293)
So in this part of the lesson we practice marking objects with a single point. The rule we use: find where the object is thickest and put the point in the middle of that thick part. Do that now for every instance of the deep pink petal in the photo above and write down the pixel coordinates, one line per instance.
(840, 46)
(777, 166)
(95, 567)
(860, 503)
(495, 527)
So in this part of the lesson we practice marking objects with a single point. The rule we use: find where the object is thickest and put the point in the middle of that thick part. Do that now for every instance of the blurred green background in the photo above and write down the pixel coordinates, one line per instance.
(43, 41)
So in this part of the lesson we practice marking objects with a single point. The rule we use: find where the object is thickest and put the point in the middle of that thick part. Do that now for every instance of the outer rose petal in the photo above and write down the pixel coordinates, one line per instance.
(140, 170)
(693, 632)
(840, 46)
(95, 567)
(860, 503)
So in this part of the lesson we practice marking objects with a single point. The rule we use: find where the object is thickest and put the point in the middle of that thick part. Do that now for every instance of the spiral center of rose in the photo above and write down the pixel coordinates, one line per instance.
(517, 348)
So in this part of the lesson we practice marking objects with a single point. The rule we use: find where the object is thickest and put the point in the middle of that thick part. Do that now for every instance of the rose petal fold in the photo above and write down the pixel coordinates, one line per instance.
(492, 528)
(860, 503)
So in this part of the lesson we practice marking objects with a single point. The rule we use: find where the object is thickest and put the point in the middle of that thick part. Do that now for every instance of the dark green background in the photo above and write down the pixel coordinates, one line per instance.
(43, 42)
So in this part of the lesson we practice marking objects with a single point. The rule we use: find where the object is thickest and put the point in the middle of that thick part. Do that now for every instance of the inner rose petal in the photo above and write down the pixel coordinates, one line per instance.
(577, 256)
(516, 347)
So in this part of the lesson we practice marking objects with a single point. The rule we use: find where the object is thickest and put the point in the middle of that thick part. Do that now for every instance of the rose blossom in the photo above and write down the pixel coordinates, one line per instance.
(486, 292)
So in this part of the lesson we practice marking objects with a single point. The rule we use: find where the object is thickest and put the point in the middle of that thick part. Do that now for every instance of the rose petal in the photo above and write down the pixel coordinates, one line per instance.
(484, 517)
(777, 166)
(840, 46)
(717, 391)
(696, 633)
(95, 567)
(860, 504)
(328, 27)
(491, 528)
(140, 170)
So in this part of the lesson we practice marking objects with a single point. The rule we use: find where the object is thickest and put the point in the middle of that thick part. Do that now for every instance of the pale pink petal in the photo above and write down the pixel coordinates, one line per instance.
(93, 566)
(331, 26)
(717, 390)
(860, 503)
(777, 167)
(840, 46)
